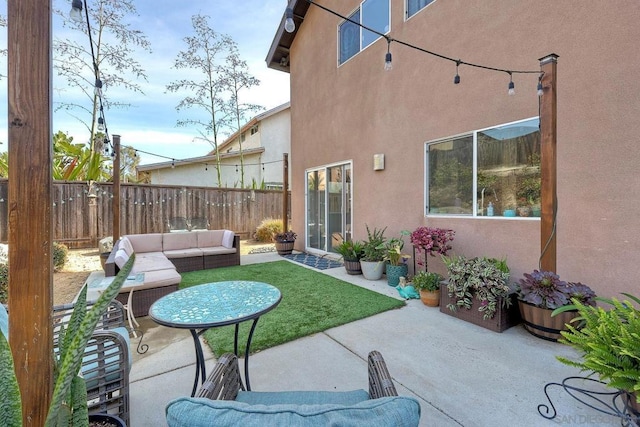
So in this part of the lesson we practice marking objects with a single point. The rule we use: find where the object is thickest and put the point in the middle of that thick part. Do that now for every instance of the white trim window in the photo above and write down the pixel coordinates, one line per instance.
(493, 172)
(415, 6)
(352, 38)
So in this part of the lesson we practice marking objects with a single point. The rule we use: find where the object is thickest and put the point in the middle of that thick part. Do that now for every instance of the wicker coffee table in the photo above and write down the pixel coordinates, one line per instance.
(211, 305)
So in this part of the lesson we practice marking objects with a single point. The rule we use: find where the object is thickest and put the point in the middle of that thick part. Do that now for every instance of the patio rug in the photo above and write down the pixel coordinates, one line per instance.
(314, 261)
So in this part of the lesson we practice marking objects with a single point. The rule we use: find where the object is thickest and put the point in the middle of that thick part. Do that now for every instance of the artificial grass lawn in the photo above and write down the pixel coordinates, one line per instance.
(311, 302)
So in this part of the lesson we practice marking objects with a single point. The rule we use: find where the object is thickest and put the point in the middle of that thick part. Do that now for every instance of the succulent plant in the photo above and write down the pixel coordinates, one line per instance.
(545, 289)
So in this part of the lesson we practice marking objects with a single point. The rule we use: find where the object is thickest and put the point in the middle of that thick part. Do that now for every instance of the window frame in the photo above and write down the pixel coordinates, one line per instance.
(474, 135)
(420, 9)
(361, 30)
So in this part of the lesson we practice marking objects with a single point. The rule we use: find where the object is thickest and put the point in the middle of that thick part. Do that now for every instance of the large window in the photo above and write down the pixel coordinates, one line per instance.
(352, 38)
(414, 6)
(490, 172)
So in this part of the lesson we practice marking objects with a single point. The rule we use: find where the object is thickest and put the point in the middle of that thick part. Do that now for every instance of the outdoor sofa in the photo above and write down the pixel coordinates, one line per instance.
(163, 256)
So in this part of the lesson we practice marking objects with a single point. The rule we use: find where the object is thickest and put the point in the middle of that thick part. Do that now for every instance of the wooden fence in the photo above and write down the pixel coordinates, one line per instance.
(82, 215)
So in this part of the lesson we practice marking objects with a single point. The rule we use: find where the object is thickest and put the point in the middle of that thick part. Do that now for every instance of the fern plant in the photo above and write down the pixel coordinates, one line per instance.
(68, 405)
(609, 342)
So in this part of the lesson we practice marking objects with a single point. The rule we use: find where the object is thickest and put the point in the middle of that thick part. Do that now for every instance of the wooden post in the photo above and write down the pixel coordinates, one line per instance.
(285, 192)
(30, 204)
(116, 188)
(548, 162)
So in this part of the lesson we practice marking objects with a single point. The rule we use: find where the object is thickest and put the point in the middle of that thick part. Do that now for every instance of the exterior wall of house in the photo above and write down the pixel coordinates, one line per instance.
(275, 133)
(353, 111)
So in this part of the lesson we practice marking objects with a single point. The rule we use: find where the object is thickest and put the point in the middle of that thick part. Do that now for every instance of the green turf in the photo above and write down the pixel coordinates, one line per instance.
(311, 302)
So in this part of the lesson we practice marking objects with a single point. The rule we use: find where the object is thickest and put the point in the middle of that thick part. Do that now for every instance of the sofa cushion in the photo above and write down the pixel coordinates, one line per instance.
(156, 279)
(175, 241)
(183, 253)
(302, 397)
(227, 239)
(218, 250)
(210, 238)
(394, 411)
(125, 244)
(151, 262)
(146, 242)
(121, 258)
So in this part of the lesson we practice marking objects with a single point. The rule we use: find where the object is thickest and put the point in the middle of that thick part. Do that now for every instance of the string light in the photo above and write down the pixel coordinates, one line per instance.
(289, 25)
(540, 91)
(429, 52)
(100, 124)
(456, 78)
(98, 88)
(76, 11)
(388, 66)
(512, 86)
(173, 164)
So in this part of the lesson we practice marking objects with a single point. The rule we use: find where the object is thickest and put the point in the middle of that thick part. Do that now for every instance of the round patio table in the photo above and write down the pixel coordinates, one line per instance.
(211, 305)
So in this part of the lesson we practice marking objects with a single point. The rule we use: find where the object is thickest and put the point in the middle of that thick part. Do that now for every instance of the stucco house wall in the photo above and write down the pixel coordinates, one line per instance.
(353, 111)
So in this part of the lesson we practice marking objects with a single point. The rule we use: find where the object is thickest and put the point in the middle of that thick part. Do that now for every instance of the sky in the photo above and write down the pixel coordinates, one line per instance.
(150, 123)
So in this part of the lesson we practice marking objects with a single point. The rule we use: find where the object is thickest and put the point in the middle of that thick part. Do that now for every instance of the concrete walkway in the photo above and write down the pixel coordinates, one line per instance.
(463, 375)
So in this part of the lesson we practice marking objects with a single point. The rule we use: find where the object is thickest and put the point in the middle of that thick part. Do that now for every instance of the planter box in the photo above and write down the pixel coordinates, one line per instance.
(503, 319)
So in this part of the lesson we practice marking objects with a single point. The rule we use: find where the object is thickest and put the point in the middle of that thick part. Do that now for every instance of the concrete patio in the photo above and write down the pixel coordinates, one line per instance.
(463, 375)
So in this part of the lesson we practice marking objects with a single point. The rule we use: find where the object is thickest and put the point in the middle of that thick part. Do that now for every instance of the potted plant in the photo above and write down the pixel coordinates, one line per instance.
(431, 241)
(372, 261)
(478, 292)
(541, 292)
(351, 251)
(396, 266)
(284, 242)
(608, 341)
(68, 406)
(428, 284)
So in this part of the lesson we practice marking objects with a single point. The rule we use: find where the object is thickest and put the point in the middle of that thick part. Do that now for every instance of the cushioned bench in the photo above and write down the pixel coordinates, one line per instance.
(163, 256)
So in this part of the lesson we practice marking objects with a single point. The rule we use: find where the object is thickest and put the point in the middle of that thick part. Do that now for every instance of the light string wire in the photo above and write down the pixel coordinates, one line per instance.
(409, 45)
(96, 72)
(202, 162)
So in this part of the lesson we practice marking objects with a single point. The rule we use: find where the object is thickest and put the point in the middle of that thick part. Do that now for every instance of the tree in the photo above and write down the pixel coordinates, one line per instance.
(237, 77)
(129, 161)
(115, 44)
(203, 53)
(76, 162)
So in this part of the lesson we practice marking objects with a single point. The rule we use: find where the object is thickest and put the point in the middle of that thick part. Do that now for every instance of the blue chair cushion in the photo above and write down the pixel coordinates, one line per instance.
(4, 321)
(397, 411)
(302, 397)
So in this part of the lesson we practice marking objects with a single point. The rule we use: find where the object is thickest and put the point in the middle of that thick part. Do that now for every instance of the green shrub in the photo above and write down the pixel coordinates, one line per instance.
(4, 283)
(267, 228)
(60, 256)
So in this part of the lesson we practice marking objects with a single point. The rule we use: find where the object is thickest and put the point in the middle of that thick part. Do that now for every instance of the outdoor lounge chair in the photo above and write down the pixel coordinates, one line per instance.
(106, 362)
(222, 401)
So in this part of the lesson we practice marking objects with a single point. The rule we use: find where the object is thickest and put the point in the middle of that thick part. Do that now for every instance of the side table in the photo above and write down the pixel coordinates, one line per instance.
(98, 286)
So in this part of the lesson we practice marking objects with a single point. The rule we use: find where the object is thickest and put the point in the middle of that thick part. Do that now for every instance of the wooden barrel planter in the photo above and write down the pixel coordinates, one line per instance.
(539, 322)
(284, 248)
(352, 267)
(632, 405)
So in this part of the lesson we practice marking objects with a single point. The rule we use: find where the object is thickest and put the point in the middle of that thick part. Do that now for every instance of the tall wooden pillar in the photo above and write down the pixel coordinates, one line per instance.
(116, 188)
(548, 163)
(285, 192)
(30, 203)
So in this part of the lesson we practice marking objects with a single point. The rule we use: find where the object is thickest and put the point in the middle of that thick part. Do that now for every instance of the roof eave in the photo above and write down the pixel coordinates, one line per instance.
(278, 57)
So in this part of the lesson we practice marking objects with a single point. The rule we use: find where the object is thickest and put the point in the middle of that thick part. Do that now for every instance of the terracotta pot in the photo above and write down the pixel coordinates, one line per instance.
(352, 267)
(284, 248)
(538, 321)
(430, 298)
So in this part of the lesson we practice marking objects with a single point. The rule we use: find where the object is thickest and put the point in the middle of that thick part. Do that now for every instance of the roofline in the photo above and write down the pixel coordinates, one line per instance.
(278, 57)
(209, 159)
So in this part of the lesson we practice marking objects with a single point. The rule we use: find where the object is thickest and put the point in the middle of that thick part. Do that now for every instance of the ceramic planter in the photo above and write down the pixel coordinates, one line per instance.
(372, 270)
(106, 420)
(430, 298)
(538, 321)
(394, 272)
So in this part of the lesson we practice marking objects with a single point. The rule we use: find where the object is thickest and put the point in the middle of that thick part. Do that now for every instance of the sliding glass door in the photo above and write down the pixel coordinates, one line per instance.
(328, 198)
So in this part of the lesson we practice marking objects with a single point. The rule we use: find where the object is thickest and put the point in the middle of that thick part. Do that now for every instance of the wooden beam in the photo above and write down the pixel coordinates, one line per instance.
(30, 201)
(285, 192)
(116, 188)
(548, 162)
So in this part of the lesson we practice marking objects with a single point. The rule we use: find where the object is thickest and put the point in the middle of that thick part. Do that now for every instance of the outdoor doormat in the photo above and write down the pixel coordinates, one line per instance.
(314, 261)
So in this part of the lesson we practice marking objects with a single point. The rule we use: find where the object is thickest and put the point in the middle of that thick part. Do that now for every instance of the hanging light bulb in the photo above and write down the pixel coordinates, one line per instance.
(98, 88)
(456, 78)
(388, 65)
(512, 86)
(173, 163)
(540, 91)
(100, 124)
(289, 25)
(76, 11)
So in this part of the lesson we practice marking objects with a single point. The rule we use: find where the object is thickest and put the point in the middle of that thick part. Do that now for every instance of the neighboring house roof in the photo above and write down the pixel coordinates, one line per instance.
(278, 57)
(211, 159)
(250, 123)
